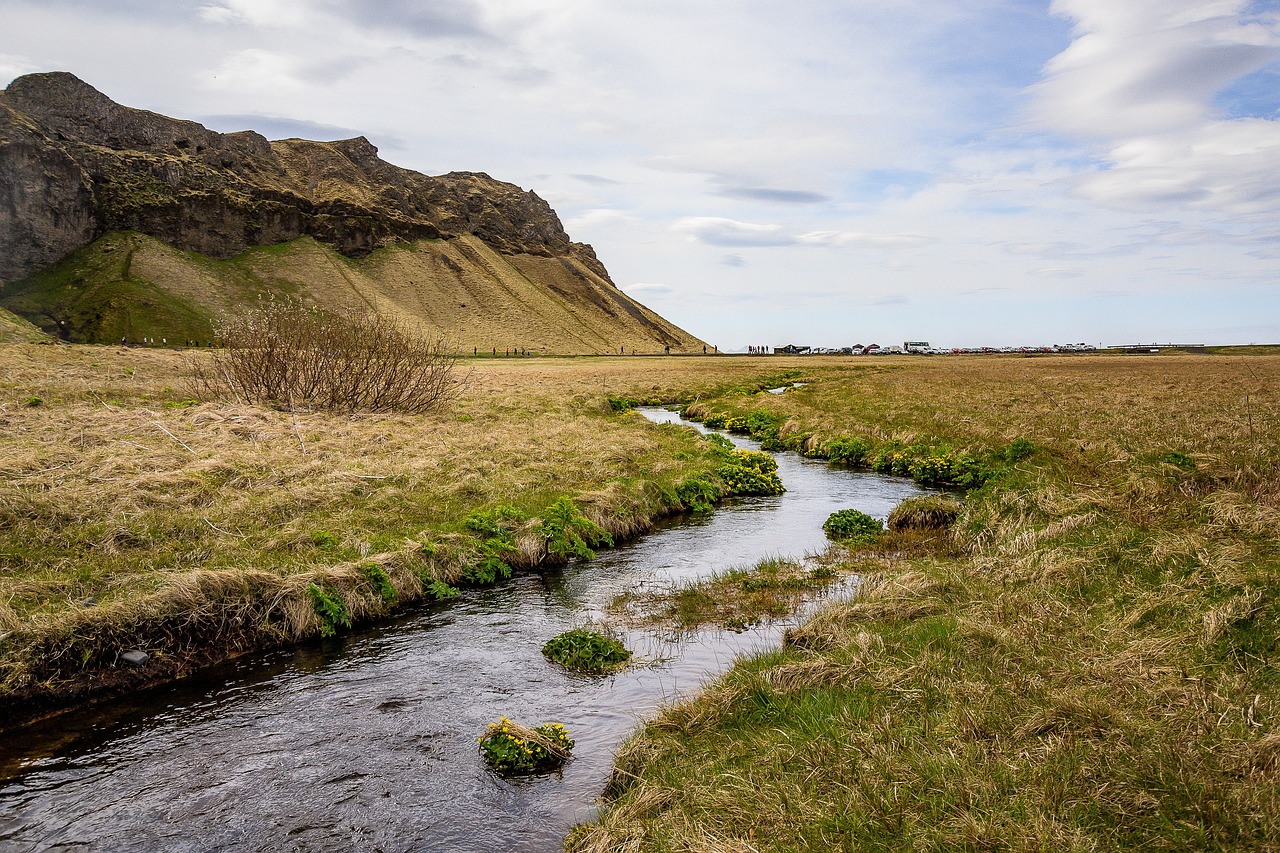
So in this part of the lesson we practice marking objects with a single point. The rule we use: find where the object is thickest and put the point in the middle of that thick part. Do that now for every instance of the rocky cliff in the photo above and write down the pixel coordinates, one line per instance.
(76, 168)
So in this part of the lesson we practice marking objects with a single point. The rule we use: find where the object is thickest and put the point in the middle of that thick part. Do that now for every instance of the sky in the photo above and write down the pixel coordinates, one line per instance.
(825, 172)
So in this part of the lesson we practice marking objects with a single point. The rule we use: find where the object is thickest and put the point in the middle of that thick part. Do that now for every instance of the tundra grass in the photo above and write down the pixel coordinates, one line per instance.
(1087, 660)
(134, 516)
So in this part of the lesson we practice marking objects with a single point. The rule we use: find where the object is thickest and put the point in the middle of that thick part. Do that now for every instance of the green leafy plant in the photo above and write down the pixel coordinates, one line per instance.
(1178, 460)
(331, 608)
(441, 591)
(567, 533)
(751, 472)
(509, 747)
(324, 539)
(848, 451)
(585, 650)
(850, 525)
(1018, 450)
(380, 581)
(698, 494)
(497, 542)
(33, 402)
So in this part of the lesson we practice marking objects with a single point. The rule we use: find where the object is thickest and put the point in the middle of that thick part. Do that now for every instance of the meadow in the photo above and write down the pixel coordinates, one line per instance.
(1085, 660)
(134, 516)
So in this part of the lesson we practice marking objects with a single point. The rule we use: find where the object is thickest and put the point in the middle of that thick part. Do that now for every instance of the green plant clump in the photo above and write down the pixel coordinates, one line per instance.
(567, 533)
(441, 591)
(324, 539)
(509, 747)
(697, 494)
(380, 581)
(751, 472)
(848, 451)
(331, 608)
(850, 525)
(584, 650)
(497, 542)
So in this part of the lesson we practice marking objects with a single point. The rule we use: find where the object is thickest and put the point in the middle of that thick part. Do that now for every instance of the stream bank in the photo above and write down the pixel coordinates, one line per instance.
(367, 740)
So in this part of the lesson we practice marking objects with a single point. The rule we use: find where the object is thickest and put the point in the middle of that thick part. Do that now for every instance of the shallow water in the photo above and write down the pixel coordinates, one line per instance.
(368, 741)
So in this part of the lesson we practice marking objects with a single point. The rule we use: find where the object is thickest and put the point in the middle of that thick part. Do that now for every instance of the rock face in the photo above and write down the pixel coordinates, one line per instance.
(75, 164)
(94, 196)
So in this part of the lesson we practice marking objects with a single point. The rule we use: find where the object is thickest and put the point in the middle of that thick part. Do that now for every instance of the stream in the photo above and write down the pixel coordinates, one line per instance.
(368, 741)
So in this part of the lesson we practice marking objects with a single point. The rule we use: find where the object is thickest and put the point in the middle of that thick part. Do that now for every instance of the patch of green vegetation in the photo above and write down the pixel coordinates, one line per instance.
(331, 607)
(509, 747)
(441, 591)
(380, 581)
(586, 650)
(93, 296)
(567, 533)
(697, 494)
(324, 539)
(851, 525)
(494, 528)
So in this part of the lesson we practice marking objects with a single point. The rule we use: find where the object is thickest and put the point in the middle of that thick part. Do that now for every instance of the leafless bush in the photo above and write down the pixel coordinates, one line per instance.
(292, 358)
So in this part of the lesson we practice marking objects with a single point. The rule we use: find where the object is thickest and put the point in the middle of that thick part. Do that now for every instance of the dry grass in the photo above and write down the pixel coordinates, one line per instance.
(124, 503)
(1085, 663)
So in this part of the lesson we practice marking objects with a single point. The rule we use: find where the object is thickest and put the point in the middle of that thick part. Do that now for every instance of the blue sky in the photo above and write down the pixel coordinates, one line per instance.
(987, 172)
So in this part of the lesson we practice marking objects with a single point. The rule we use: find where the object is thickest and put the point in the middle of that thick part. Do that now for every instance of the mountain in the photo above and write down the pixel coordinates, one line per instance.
(118, 222)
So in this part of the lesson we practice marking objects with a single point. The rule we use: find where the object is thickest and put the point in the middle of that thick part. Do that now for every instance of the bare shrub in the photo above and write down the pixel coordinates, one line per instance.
(289, 357)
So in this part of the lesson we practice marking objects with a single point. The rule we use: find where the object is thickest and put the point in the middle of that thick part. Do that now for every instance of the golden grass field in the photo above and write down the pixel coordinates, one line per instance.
(1087, 660)
(134, 516)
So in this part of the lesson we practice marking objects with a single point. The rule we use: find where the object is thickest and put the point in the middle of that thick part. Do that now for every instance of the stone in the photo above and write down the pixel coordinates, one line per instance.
(135, 657)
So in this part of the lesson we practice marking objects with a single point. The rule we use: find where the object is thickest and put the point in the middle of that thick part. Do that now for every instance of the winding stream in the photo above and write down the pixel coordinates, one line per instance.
(368, 741)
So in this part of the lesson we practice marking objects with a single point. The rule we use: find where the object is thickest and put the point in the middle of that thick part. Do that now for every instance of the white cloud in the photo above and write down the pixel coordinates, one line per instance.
(1140, 78)
(861, 240)
(717, 231)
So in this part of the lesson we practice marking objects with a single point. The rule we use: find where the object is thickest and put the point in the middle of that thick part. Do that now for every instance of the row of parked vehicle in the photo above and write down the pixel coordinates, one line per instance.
(876, 349)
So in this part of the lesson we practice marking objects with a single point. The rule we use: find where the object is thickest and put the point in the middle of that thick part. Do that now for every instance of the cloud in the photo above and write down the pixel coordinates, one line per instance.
(717, 231)
(733, 261)
(599, 217)
(1058, 272)
(12, 66)
(257, 13)
(861, 240)
(774, 196)
(258, 70)
(278, 127)
(730, 233)
(596, 180)
(644, 288)
(430, 19)
(1140, 79)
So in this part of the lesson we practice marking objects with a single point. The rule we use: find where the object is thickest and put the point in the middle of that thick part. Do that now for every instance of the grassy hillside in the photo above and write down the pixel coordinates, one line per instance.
(127, 285)
(14, 329)
(1087, 660)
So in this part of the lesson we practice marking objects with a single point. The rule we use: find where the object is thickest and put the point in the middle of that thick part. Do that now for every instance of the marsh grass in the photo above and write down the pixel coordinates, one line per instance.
(1084, 660)
(134, 516)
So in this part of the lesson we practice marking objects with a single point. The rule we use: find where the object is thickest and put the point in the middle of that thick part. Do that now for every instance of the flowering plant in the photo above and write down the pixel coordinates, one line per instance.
(512, 748)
